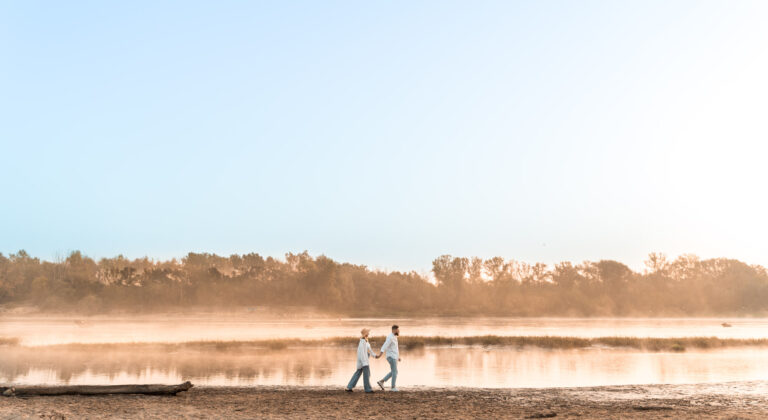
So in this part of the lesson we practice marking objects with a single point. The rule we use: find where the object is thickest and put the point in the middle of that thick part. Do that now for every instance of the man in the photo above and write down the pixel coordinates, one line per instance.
(393, 356)
(363, 351)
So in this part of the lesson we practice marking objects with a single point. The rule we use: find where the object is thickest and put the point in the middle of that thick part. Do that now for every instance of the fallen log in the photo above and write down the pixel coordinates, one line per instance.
(96, 389)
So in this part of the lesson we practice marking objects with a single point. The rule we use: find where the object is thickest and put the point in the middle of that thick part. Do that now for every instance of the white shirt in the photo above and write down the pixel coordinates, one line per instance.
(363, 351)
(390, 347)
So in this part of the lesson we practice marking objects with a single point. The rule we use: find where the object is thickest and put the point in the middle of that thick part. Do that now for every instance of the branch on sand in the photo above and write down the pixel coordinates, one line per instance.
(95, 390)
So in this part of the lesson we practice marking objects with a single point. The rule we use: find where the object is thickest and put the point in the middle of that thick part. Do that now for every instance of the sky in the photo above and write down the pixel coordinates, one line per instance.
(385, 133)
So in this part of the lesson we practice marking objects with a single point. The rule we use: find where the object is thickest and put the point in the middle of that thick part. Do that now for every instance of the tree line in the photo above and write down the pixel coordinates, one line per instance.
(685, 286)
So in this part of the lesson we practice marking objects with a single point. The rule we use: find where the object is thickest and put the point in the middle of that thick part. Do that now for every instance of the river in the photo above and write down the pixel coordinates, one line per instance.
(39, 361)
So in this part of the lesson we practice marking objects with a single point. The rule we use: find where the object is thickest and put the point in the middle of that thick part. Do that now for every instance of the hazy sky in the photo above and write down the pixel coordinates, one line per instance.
(385, 133)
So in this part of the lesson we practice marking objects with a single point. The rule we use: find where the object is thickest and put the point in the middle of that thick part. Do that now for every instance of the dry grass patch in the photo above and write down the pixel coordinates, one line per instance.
(413, 342)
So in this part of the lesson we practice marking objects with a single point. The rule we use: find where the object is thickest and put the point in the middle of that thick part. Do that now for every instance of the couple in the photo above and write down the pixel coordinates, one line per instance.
(364, 350)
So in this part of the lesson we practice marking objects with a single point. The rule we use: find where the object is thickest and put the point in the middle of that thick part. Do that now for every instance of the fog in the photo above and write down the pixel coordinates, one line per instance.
(37, 330)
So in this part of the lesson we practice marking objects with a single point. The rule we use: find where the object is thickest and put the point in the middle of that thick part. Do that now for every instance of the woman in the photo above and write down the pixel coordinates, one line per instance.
(363, 351)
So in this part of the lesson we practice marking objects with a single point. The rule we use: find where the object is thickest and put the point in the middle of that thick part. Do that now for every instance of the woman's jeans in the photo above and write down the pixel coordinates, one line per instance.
(366, 372)
(393, 372)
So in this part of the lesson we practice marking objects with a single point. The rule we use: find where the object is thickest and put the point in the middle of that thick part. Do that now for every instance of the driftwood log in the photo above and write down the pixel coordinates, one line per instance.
(95, 389)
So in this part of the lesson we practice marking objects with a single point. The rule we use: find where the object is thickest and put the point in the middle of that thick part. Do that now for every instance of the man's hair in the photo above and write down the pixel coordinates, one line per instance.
(394, 327)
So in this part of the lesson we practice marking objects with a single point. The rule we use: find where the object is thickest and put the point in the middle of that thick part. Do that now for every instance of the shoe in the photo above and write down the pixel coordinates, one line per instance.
(380, 384)
(394, 390)
(369, 392)
(348, 390)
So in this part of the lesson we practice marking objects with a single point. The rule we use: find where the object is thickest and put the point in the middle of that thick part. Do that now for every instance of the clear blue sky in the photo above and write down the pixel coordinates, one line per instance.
(385, 133)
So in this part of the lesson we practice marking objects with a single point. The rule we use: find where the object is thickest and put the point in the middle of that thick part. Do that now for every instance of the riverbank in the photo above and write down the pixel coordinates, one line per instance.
(733, 400)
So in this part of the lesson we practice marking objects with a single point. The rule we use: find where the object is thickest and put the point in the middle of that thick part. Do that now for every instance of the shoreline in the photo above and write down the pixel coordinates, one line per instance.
(726, 400)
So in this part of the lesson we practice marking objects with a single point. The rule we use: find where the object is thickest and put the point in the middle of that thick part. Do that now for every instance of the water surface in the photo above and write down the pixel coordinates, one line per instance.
(441, 367)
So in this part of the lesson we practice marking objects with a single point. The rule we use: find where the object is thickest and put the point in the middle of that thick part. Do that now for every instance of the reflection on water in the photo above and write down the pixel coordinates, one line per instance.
(175, 328)
(472, 367)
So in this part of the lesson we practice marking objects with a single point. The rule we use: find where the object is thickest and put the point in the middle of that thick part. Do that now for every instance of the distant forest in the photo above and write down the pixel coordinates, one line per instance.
(686, 286)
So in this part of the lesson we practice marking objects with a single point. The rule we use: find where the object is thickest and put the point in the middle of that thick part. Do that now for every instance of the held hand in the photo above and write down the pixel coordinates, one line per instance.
(399, 359)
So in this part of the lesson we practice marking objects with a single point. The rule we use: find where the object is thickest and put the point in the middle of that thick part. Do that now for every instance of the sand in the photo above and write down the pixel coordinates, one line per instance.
(737, 400)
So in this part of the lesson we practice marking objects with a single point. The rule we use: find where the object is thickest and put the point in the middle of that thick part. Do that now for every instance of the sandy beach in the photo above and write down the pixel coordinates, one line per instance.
(736, 400)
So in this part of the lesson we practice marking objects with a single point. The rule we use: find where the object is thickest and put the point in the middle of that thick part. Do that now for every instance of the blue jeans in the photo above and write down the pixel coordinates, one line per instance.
(393, 372)
(366, 372)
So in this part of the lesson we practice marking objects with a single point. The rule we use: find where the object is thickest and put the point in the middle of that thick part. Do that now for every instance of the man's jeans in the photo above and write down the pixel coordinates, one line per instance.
(393, 372)
(366, 372)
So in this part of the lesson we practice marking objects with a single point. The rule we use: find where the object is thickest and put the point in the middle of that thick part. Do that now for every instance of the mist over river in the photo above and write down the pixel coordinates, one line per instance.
(47, 330)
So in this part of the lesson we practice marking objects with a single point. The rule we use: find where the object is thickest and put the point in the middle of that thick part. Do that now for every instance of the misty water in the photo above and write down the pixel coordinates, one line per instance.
(38, 360)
